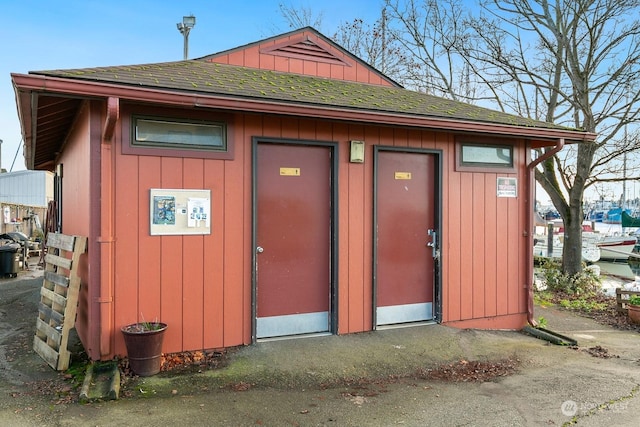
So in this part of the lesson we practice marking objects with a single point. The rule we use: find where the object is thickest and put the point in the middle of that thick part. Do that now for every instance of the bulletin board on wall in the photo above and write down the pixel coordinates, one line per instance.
(179, 211)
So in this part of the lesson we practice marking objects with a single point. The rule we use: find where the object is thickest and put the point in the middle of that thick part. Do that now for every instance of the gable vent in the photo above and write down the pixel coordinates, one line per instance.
(305, 49)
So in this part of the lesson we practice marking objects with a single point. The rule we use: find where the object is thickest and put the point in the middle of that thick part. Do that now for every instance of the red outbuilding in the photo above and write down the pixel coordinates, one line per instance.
(283, 188)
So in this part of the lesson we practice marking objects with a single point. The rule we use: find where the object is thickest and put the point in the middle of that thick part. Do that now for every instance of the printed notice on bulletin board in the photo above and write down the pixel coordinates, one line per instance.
(176, 211)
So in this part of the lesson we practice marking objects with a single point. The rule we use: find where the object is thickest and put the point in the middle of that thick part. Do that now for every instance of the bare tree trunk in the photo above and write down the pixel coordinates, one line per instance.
(572, 248)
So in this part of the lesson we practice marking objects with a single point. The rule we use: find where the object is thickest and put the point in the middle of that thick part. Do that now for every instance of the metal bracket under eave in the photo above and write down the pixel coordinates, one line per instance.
(113, 114)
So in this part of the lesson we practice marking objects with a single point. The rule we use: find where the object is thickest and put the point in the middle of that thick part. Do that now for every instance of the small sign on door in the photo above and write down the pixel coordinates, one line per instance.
(290, 171)
(403, 175)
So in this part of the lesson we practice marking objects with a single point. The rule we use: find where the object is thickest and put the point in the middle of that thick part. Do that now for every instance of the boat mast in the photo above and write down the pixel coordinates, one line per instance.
(624, 158)
(624, 171)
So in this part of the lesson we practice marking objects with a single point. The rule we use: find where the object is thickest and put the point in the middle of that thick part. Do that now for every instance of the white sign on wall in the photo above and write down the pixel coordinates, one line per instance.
(507, 187)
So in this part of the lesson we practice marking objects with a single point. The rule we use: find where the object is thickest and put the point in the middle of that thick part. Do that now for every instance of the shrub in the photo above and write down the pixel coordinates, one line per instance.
(584, 283)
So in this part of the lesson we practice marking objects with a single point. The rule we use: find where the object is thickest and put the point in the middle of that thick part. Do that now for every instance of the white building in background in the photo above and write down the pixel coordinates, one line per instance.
(24, 196)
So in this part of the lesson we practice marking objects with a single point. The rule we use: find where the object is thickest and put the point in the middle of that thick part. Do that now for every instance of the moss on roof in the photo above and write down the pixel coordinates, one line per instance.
(207, 78)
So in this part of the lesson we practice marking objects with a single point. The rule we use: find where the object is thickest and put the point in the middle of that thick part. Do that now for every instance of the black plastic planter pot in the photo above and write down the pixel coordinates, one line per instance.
(144, 347)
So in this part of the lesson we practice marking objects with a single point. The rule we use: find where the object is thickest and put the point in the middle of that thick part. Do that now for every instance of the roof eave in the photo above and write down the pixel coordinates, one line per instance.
(25, 106)
(37, 83)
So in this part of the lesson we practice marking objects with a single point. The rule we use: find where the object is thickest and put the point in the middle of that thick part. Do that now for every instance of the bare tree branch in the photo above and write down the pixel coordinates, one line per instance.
(300, 16)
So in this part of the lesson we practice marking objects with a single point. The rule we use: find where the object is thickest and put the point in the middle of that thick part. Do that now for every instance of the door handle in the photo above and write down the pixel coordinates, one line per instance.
(433, 244)
(259, 249)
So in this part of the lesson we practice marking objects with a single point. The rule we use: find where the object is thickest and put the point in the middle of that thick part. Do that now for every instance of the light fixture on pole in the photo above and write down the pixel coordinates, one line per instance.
(188, 22)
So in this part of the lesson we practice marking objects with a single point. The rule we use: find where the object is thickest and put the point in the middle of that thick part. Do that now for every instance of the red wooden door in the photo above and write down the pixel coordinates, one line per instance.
(293, 287)
(405, 208)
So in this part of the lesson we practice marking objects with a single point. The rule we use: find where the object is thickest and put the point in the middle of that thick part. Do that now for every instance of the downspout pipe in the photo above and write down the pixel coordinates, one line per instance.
(102, 232)
(531, 180)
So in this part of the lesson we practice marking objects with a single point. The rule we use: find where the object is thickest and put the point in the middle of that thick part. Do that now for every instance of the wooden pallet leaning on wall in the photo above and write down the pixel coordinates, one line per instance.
(58, 299)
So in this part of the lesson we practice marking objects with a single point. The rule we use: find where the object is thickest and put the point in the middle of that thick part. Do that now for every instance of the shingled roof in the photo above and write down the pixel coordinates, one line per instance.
(207, 78)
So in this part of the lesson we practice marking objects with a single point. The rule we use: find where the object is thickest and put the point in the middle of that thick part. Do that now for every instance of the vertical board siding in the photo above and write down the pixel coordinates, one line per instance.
(252, 61)
(490, 246)
(266, 62)
(236, 241)
(76, 192)
(476, 256)
(310, 68)
(345, 296)
(149, 269)
(464, 251)
(126, 269)
(280, 63)
(201, 285)
(235, 57)
(296, 66)
(513, 230)
(213, 257)
(290, 128)
(373, 136)
(525, 229)
(357, 237)
(247, 248)
(193, 272)
(414, 139)
(171, 264)
(483, 256)
(336, 72)
(77, 201)
(451, 237)
(502, 258)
